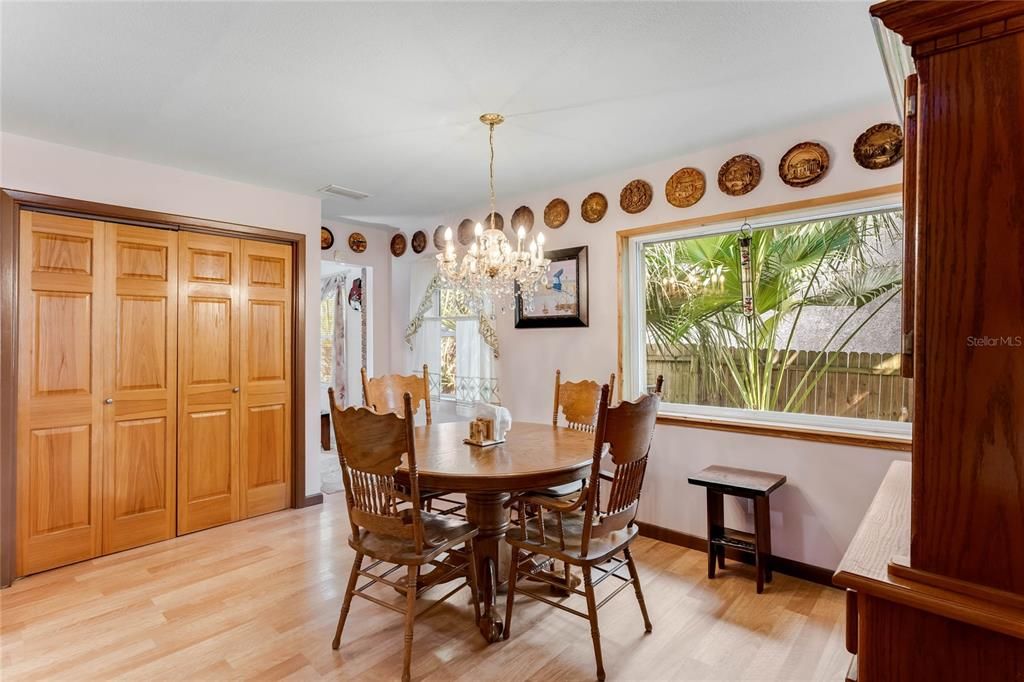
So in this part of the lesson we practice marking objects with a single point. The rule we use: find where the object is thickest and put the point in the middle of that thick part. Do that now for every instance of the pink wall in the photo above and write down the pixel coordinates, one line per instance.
(830, 486)
(36, 166)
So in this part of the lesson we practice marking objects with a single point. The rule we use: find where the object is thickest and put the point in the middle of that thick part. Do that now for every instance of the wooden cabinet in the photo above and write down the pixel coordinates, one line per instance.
(938, 563)
(154, 385)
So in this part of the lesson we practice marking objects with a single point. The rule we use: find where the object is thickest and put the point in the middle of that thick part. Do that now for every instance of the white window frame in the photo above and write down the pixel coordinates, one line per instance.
(634, 358)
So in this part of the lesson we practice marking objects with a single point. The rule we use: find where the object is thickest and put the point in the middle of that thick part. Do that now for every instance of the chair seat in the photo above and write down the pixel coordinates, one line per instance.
(599, 551)
(440, 534)
(564, 490)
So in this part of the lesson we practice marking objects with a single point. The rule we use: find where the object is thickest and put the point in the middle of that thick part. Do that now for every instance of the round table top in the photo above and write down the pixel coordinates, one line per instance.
(532, 456)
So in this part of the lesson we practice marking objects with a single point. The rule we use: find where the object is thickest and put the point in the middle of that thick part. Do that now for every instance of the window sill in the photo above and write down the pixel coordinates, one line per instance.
(835, 437)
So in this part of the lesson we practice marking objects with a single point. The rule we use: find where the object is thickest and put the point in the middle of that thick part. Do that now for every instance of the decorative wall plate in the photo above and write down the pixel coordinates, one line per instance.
(464, 234)
(439, 237)
(880, 146)
(804, 164)
(397, 244)
(739, 175)
(556, 213)
(523, 217)
(326, 238)
(636, 196)
(419, 241)
(357, 242)
(685, 188)
(594, 207)
(499, 222)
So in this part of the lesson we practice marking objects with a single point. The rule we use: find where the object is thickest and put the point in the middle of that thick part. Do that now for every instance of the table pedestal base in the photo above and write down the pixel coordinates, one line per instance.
(488, 513)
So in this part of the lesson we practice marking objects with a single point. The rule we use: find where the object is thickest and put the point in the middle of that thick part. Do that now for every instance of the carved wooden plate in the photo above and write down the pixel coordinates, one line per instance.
(685, 188)
(357, 242)
(880, 146)
(398, 244)
(556, 213)
(419, 241)
(594, 207)
(326, 238)
(499, 222)
(739, 175)
(636, 196)
(522, 217)
(439, 237)
(804, 164)
(464, 235)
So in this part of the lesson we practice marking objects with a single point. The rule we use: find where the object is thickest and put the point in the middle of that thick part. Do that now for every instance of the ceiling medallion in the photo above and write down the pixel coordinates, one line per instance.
(739, 175)
(685, 188)
(880, 146)
(636, 196)
(492, 269)
(594, 207)
(556, 213)
(804, 164)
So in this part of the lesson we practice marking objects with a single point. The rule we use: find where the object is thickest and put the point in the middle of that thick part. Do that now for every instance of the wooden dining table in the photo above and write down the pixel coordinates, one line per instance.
(533, 456)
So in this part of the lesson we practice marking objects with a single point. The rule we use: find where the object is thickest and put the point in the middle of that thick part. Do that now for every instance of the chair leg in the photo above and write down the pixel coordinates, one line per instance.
(513, 576)
(595, 633)
(474, 581)
(347, 602)
(636, 586)
(410, 614)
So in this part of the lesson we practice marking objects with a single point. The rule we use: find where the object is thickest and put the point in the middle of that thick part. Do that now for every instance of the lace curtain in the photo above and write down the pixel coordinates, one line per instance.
(333, 288)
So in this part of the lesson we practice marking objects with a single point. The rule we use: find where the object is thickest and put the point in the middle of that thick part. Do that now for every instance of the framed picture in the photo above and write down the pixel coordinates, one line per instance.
(562, 301)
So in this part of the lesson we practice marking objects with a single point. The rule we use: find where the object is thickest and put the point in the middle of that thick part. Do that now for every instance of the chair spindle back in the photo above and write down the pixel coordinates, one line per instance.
(625, 433)
(370, 450)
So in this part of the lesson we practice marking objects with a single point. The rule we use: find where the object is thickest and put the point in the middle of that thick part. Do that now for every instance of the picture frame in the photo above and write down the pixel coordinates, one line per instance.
(564, 300)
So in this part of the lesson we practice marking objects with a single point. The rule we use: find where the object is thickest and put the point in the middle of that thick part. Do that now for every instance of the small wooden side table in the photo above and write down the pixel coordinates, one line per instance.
(325, 431)
(753, 485)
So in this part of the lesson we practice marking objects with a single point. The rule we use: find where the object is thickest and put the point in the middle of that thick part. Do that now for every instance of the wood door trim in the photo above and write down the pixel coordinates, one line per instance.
(11, 202)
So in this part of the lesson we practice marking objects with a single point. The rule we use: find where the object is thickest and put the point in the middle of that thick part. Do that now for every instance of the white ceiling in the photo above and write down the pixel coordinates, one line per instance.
(384, 97)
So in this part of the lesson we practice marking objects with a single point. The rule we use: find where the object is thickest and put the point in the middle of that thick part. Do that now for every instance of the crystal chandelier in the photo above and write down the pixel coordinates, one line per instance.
(491, 269)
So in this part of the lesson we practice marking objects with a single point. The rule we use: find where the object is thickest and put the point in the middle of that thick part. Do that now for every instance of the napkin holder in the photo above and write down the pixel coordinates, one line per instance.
(482, 433)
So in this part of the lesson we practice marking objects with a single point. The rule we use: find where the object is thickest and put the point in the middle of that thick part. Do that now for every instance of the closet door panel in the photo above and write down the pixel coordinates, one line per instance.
(140, 424)
(266, 354)
(60, 403)
(209, 391)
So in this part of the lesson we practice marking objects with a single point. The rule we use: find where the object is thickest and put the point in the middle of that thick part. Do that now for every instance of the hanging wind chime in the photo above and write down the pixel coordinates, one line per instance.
(746, 269)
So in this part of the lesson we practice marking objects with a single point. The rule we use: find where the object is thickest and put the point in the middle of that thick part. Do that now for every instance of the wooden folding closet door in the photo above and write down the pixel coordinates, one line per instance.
(266, 355)
(140, 382)
(208, 386)
(61, 313)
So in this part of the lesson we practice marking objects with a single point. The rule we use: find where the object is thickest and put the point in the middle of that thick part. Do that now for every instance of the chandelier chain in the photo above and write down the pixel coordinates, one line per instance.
(490, 172)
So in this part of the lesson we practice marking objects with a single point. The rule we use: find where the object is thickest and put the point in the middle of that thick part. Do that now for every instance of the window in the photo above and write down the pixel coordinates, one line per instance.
(821, 345)
(456, 352)
(327, 340)
(451, 308)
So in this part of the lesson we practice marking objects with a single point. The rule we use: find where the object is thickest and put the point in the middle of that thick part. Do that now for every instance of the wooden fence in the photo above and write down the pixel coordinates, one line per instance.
(865, 385)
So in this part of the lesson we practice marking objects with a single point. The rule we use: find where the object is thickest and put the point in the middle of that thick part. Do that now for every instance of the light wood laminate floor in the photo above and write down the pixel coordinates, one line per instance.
(260, 598)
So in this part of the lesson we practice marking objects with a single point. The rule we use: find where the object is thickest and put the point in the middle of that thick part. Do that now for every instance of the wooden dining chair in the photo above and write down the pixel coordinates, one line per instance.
(384, 394)
(578, 401)
(590, 532)
(388, 525)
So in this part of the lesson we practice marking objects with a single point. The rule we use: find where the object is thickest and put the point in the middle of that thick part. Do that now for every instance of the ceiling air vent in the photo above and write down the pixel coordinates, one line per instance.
(339, 191)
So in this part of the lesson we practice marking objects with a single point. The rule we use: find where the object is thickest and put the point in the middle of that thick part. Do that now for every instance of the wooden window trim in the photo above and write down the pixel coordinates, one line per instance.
(796, 432)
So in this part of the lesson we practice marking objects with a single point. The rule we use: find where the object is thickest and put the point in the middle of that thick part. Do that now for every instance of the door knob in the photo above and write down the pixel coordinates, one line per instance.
(108, 401)
(235, 389)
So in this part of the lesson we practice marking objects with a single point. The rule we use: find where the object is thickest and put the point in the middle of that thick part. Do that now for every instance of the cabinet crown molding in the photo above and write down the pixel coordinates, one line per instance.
(935, 25)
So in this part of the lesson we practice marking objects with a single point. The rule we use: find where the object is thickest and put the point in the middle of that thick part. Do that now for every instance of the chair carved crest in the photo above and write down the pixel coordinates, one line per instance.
(578, 401)
(384, 393)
